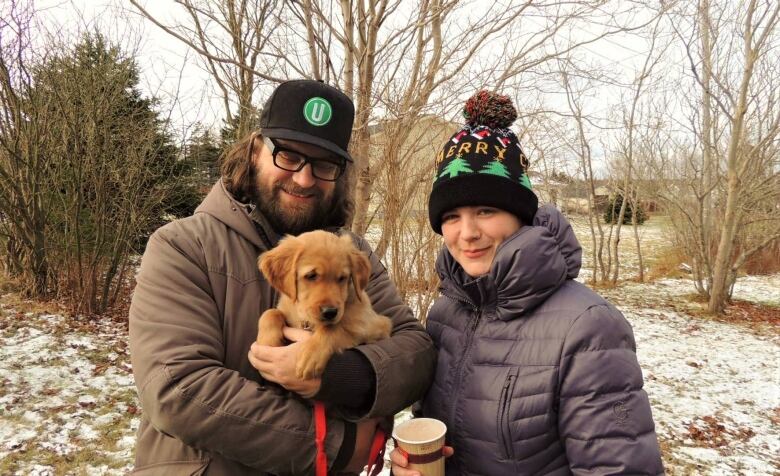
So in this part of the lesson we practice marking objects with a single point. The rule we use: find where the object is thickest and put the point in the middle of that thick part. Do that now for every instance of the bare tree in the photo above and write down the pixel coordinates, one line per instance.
(86, 166)
(24, 166)
(396, 58)
(117, 169)
(732, 52)
(231, 37)
(628, 188)
(580, 146)
(405, 239)
(743, 154)
(398, 61)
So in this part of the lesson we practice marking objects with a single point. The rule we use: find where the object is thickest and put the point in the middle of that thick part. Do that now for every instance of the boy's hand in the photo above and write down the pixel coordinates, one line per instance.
(399, 459)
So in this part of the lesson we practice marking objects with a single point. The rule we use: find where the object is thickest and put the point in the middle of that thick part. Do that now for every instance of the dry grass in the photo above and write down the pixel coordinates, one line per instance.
(70, 463)
(14, 297)
(603, 285)
(752, 313)
(666, 264)
(696, 298)
(761, 319)
(766, 261)
(674, 465)
(8, 284)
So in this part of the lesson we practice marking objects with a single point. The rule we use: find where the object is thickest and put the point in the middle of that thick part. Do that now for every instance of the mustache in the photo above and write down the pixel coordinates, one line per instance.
(298, 190)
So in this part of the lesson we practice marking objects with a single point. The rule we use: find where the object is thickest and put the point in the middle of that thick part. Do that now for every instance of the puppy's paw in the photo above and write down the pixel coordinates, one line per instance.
(380, 328)
(311, 364)
(269, 328)
(271, 339)
(385, 327)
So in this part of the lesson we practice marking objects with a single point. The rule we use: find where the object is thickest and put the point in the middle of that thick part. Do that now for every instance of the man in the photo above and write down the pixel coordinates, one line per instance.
(193, 319)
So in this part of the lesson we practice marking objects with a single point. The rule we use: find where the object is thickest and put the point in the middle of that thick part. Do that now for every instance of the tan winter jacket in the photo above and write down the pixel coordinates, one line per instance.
(192, 320)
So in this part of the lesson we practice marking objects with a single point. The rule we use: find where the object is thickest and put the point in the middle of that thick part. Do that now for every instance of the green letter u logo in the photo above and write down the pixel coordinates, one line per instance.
(317, 111)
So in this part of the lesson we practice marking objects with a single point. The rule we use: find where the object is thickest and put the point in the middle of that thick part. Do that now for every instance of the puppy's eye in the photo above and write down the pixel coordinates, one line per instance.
(342, 279)
(311, 276)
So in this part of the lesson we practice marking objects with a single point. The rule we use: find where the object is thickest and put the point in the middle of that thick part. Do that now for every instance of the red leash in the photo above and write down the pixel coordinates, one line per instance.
(320, 430)
(376, 456)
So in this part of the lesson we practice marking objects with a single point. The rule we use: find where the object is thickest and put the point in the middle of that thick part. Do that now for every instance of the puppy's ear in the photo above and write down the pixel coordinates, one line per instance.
(361, 270)
(279, 266)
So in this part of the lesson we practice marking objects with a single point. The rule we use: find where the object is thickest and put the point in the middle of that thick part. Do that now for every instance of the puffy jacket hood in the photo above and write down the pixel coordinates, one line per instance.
(220, 204)
(244, 219)
(528, 267)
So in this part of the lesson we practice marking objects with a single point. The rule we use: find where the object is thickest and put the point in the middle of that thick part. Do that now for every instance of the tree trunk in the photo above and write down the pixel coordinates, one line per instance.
(705, 212)
(618, 222)
(635, 224)
(719, 291)
(370, 22)
(733, 214)
(361, 139)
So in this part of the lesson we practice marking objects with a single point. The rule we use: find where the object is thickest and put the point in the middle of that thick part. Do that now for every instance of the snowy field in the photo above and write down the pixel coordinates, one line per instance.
(714, 386)
(68, 406)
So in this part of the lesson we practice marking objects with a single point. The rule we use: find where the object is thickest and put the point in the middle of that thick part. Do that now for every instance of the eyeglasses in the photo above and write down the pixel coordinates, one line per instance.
(292, 161)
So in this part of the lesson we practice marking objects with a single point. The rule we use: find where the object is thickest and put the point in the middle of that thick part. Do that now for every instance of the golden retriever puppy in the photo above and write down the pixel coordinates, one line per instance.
(322, 278)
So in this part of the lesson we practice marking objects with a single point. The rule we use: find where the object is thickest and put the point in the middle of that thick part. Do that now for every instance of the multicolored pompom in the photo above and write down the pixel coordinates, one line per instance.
(490, 109)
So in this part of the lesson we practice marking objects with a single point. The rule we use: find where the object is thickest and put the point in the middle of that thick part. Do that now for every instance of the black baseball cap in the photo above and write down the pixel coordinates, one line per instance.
(312, 112)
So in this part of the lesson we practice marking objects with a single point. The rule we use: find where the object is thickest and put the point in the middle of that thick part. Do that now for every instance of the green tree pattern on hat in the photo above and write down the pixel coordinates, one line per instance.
(456, 166)
(524, 181)
(496, 167)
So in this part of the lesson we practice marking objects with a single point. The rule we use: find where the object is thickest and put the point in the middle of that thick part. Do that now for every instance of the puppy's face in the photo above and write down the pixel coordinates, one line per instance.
(317, 271)
(323, 286)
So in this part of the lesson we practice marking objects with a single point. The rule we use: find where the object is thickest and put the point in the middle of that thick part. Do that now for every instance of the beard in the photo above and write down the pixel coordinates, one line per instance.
(292, 219)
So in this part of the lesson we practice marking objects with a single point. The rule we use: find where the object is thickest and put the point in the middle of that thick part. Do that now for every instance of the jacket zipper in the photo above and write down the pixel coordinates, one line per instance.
(470, 332)
(503, 423)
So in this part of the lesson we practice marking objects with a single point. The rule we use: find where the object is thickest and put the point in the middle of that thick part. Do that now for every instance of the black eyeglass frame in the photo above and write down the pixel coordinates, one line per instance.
(276, 149)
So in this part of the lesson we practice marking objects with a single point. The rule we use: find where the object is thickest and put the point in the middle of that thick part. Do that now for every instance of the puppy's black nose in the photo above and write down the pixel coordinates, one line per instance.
(329, 313)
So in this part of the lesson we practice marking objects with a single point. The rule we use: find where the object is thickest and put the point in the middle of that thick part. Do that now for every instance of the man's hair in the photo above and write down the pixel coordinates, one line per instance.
(239, 175)
(237, 168)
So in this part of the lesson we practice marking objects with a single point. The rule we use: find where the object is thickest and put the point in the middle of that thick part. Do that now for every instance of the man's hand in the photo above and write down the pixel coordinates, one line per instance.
(277, 364)
(399, 459)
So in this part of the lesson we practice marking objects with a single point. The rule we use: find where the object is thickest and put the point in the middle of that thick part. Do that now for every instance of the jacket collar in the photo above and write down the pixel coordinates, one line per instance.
(242, 218)
(528, 267)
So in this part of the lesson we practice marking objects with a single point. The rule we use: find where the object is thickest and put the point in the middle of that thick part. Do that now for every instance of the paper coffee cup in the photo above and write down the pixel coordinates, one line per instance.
(422, 439)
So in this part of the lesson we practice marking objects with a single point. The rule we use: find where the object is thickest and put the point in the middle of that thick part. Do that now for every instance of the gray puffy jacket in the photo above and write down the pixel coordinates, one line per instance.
(537, 374)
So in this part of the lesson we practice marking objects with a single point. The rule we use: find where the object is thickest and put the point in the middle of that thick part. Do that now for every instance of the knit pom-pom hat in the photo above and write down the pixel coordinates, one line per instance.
(483, 164)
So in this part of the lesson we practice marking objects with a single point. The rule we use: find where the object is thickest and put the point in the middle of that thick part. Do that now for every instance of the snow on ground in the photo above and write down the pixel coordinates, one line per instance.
(67, 400)
(68, 404)
(759, 289)
(714, 386)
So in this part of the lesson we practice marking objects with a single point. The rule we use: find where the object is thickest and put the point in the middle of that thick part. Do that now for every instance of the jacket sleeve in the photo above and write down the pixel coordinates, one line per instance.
(605, 421)
(403, 364)
(177, 350)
